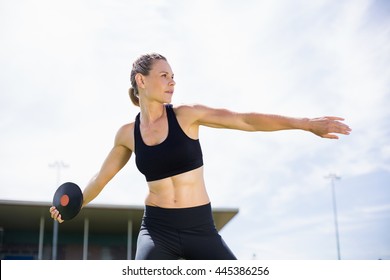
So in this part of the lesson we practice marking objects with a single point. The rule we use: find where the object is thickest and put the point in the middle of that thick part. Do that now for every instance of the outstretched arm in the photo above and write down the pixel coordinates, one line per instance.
(326, 127)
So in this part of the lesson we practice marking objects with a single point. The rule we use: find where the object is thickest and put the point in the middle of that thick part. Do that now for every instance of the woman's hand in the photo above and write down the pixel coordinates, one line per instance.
(55, 214)
(325, 127)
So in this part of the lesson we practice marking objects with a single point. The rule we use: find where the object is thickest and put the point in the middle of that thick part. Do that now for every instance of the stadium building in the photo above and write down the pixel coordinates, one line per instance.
(99, 232)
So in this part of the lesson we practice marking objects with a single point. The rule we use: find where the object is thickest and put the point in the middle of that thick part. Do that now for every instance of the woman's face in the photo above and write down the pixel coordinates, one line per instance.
(159, 84)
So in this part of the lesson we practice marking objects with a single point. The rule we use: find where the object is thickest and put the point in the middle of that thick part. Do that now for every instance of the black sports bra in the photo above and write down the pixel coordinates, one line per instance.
(177, 154)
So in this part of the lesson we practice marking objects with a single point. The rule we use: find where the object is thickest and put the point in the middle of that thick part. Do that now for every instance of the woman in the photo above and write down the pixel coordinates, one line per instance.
(178, 221)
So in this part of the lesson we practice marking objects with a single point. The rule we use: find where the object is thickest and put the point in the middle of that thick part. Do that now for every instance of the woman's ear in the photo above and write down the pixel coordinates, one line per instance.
(139, 78)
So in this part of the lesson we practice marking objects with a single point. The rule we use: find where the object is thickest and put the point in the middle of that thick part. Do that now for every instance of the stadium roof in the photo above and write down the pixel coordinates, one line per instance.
(103, 218)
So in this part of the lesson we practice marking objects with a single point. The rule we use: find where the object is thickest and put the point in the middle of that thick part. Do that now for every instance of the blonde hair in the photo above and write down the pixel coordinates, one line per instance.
(141, 65)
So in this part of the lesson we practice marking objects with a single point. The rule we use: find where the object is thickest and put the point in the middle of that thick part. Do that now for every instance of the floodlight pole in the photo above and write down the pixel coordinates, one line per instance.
(332, 178)
(59, 165)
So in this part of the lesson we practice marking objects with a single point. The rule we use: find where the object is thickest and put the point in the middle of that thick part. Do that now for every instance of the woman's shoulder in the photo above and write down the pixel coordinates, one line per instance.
(126, 129)
(186, 112)
(194, 112)
(189, 109)
(125, 135)
(127, 126)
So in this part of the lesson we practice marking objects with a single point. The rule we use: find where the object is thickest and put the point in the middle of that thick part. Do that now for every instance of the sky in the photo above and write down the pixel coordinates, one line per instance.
(64, 78)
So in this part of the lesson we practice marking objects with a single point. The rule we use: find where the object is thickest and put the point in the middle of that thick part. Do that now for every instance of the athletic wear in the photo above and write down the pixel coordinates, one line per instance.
(175, 233)
(176, 154)
(180, 233)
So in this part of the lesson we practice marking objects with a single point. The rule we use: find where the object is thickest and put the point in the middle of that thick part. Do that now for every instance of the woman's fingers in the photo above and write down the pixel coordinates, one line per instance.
(55, 214)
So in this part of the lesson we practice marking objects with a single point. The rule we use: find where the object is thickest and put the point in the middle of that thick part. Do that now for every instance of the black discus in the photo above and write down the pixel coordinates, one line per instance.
(68, 199)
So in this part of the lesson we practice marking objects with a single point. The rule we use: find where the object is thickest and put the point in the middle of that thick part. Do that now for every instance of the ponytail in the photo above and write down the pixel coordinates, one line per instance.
(134, 96)
(142, 65)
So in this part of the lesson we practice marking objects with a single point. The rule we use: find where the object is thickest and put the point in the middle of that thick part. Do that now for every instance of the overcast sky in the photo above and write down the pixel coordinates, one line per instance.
(64, 76)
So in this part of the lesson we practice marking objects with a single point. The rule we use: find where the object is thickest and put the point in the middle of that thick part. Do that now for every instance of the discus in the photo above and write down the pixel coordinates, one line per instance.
(68, 199)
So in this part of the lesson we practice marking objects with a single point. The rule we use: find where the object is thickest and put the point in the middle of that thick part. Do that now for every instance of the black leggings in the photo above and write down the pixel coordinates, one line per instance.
(180, 233)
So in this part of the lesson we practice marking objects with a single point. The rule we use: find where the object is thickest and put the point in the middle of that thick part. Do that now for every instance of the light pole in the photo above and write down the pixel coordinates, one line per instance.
(332, 178)
(59, 165)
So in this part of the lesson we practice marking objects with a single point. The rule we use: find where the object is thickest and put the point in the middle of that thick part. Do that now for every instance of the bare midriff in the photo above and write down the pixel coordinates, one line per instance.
(179, 191)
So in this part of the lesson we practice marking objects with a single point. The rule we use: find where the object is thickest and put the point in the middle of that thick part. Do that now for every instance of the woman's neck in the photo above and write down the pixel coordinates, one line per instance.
(151, 112)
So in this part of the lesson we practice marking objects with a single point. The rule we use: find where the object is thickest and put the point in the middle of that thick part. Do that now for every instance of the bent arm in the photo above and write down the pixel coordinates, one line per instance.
(116, 159)
(114, 162)
(221, 118)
